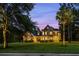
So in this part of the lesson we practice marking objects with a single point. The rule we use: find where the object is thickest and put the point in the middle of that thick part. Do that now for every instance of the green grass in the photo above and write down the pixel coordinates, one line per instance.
(41, 47)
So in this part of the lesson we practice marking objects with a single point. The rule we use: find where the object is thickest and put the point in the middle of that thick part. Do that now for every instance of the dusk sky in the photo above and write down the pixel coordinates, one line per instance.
(45, 14)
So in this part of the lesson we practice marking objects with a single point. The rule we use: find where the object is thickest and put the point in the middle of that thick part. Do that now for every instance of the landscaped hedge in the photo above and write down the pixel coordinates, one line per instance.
(46, 41)
(29, 40)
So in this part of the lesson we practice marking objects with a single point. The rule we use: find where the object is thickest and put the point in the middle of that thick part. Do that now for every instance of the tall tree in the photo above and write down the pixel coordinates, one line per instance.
(15, 16)
(64, 16)
(76, 21)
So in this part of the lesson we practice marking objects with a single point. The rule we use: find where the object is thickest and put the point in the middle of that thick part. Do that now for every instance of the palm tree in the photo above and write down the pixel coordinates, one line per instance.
(64, 16)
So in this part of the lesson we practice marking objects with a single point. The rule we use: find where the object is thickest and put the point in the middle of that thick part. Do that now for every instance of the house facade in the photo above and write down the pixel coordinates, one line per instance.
(48, 34)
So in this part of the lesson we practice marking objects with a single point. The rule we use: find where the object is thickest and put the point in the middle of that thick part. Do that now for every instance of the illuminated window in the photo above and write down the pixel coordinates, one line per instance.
(56, 33)
(45, 33)
(42, 33)
(43, 38)
(46, 38)
(51, 33)
(38, 33)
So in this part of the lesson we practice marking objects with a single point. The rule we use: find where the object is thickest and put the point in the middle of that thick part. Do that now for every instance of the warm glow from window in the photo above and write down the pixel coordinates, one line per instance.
(56, 33)
(51, 33)
(43, 38)
(38, 33)
(42, 33)
(46, 38)
(50, 38)
(45, 33)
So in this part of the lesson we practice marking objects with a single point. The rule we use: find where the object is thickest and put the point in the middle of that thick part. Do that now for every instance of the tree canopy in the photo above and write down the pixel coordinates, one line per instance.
(15, 18)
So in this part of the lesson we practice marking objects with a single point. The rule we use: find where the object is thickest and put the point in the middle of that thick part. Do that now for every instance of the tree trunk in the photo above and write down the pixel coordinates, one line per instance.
(63, 34)
(4, 38)
(69, 34)
(5, 44)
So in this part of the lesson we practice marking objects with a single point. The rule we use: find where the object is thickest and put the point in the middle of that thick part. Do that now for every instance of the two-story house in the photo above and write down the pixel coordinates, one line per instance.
(48, 34)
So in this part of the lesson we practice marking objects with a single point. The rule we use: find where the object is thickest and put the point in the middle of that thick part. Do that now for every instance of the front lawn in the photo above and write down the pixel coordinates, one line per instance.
(41, 47)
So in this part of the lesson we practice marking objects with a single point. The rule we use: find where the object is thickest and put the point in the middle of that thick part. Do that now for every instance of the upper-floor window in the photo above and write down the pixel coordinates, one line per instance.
(38, 33)
(56, 33)
(45, 33)
(47, 27)
(51, 32)
(42, 33)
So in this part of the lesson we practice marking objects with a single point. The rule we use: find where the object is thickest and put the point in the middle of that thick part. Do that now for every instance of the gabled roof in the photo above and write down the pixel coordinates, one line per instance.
(37, 31)
(48, 28)
(56, 29)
